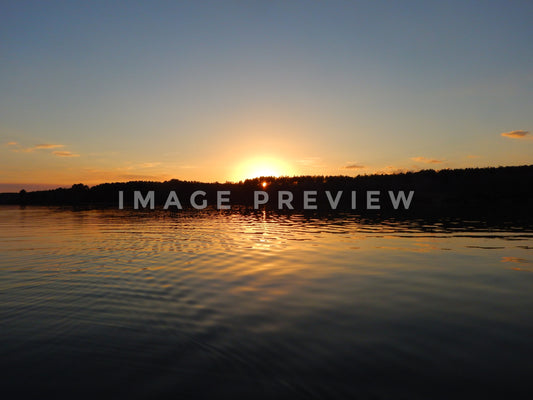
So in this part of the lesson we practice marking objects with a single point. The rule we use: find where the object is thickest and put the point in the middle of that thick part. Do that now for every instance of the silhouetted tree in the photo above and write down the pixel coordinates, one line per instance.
(483, 191)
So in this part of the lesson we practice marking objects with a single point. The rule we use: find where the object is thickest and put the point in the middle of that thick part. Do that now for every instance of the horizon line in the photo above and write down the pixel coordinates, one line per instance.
(46, 186)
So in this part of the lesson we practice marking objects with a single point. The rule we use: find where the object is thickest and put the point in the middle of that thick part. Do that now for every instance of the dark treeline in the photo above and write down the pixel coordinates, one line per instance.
(504, 191)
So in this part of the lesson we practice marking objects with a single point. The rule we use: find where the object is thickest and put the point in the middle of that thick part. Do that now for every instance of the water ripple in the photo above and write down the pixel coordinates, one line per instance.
(209, 304)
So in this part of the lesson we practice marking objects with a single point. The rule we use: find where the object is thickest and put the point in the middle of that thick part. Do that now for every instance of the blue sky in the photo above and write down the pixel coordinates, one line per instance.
(108, 91)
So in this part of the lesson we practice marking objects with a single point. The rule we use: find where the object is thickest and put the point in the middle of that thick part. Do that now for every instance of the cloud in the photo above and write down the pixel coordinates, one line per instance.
(140, 177)
(309, 161)
(99, 175)
(426, 160)
(520, 134)
(48, 146)
(65, 154)
(131, 167)
(11, 143)
(354, 166)
(149, 164)
(19, 149)
(472, 156)
(42, 146)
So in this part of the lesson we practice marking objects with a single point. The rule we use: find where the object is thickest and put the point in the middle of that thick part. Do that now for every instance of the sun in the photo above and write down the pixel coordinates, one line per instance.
(260, 171)
(262, 167)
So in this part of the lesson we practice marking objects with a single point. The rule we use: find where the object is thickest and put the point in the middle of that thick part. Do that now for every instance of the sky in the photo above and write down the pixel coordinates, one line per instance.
(96, 92)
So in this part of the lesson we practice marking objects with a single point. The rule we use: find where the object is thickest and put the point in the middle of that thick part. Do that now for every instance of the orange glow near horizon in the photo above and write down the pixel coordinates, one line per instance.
(262, 167)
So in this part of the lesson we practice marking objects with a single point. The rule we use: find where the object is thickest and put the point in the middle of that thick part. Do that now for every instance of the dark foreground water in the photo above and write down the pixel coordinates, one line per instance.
(108, 303)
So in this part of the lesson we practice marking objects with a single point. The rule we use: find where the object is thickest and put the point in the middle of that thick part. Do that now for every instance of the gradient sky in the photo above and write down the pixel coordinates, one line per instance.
(214, 91)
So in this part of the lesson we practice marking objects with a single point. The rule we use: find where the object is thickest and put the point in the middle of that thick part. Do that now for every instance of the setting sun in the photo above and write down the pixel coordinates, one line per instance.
(262, 167)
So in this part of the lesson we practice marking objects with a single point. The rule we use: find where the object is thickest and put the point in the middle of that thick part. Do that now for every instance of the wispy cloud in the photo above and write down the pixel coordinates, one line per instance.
(144, 165)
(520, 134)
(15, 147)
(136, 177)
(121, 174)
(42, 146)
(65, 154)
(149, 164)
(309, 161)
(472, 156)
(427, 160)
(47, 146)
(354, 166)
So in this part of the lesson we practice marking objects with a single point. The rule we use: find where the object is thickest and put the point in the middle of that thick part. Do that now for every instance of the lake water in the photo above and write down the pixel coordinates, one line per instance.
(207, 304)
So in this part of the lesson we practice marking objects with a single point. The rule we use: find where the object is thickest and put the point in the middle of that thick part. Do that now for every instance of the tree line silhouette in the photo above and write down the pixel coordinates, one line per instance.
(449, 192)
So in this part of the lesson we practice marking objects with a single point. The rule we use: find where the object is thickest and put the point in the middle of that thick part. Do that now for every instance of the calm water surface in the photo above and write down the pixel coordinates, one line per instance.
(259, 305)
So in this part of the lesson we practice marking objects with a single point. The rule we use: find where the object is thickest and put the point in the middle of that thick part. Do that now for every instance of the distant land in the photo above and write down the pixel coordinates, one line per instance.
(483, 192)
